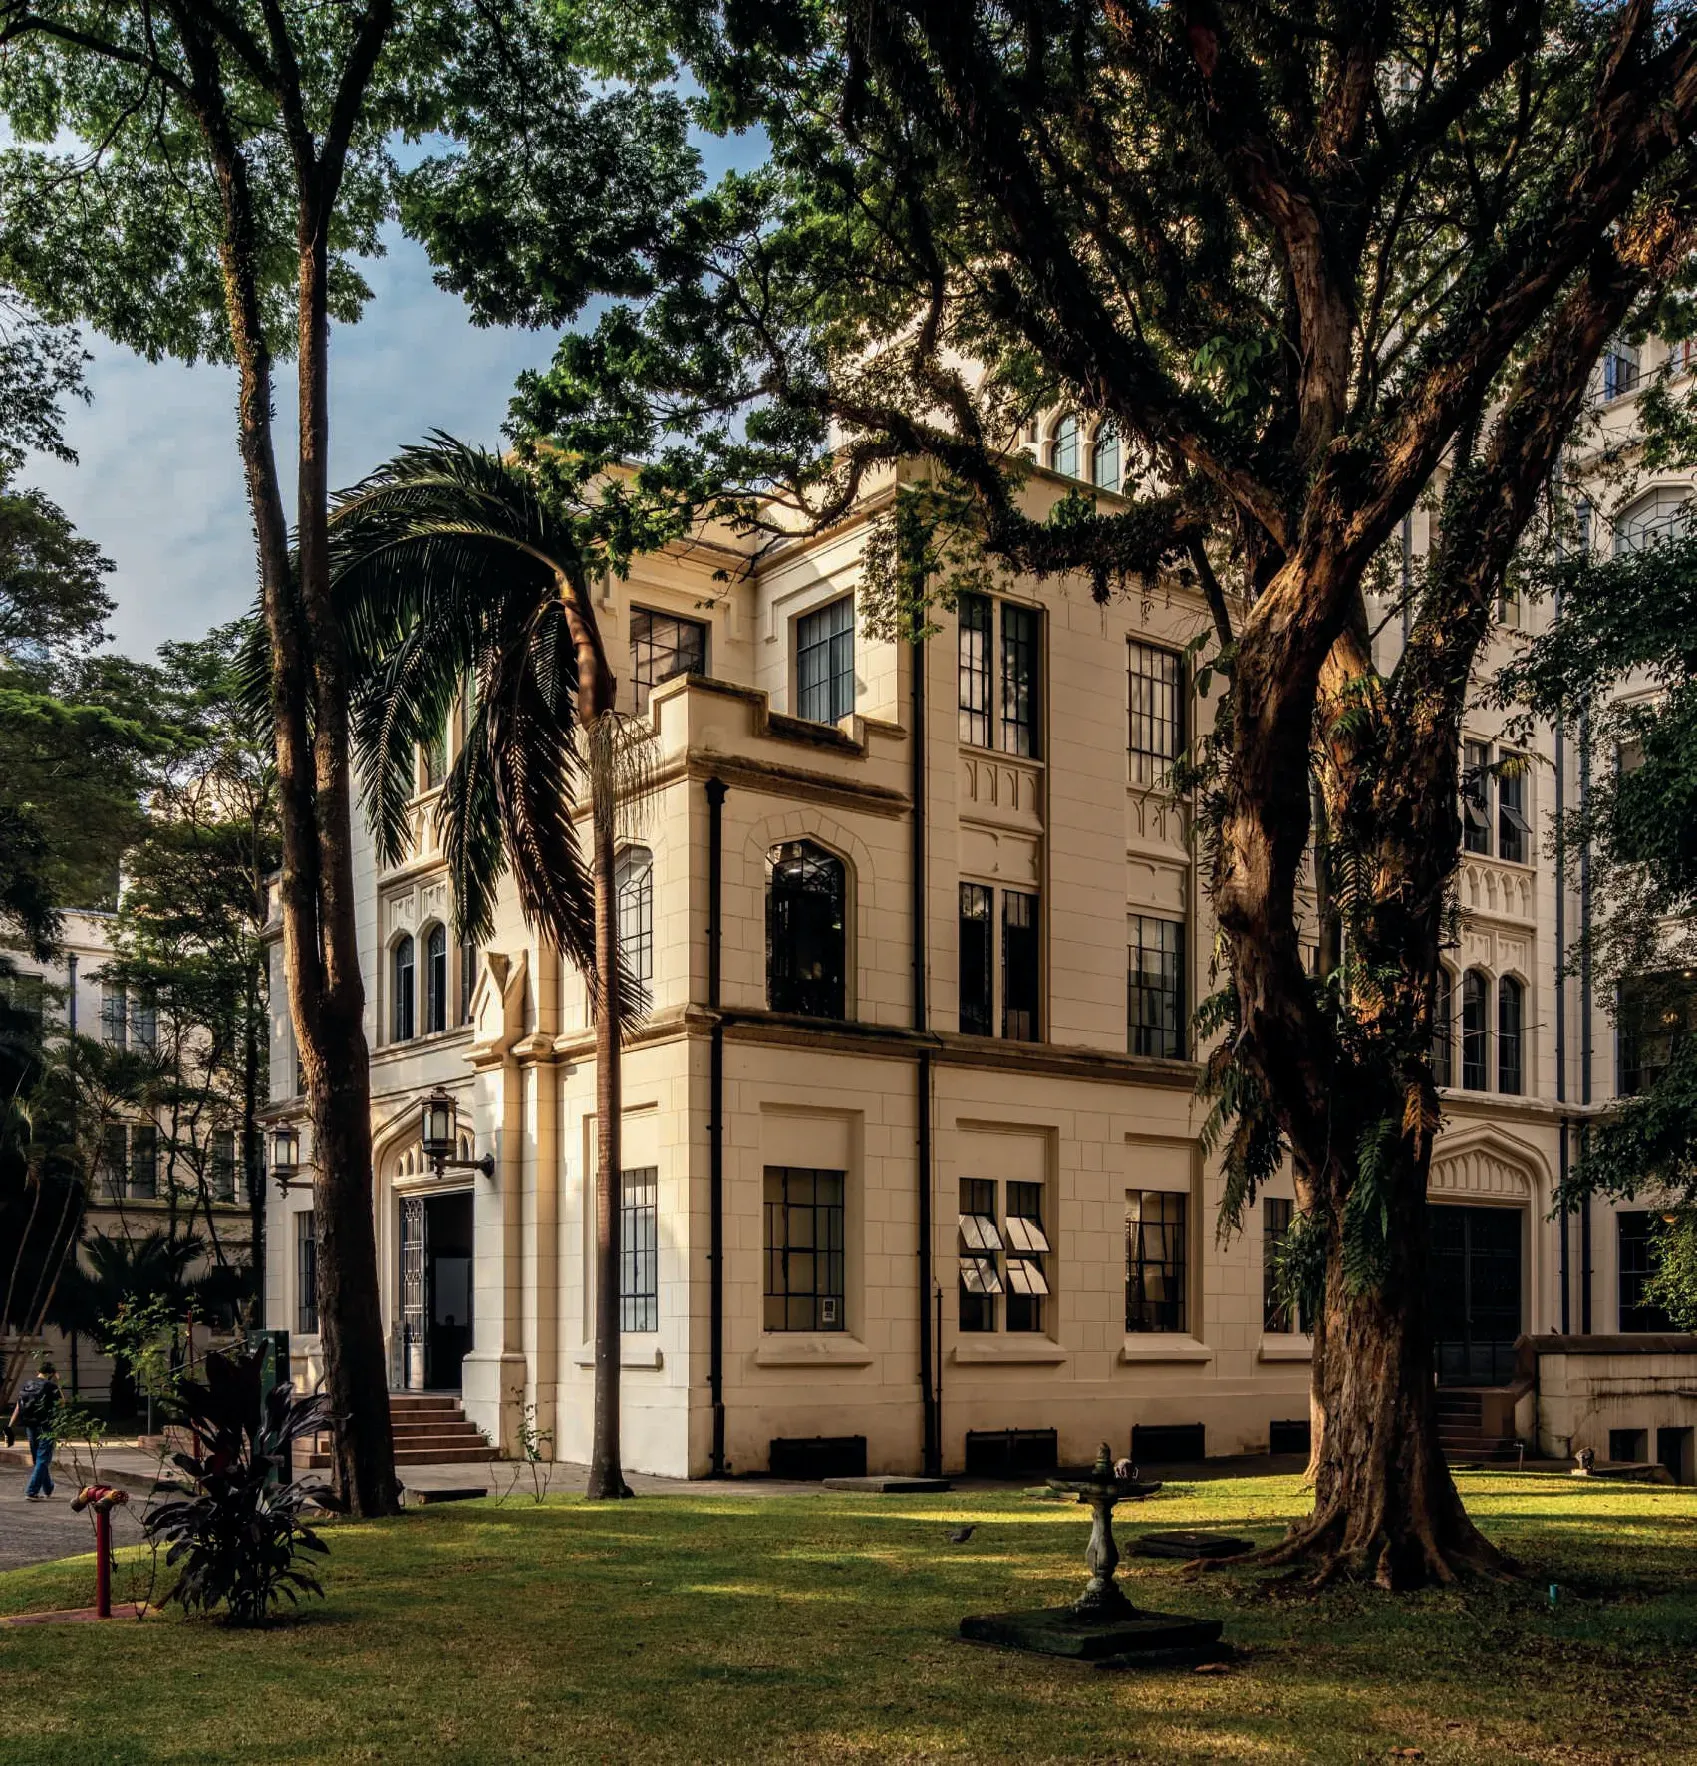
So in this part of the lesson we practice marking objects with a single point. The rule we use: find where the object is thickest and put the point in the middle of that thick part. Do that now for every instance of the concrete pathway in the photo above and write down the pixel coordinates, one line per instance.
(37, 1532)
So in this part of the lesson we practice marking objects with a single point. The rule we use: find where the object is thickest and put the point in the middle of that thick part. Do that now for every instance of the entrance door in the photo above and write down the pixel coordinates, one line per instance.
(447, 1264)
(412, 1293)
(1475, 1293)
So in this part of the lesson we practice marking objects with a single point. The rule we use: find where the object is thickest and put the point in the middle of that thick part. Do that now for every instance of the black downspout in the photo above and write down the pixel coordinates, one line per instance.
(1584, 1014)
(715, 1133)
(930, 1381)
(1564, 1254)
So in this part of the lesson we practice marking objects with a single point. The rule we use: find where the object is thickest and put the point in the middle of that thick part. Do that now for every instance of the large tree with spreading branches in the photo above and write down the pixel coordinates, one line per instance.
(1315, 266)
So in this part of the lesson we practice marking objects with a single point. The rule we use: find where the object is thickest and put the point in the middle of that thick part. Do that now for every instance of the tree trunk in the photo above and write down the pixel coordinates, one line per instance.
(1384, 1501)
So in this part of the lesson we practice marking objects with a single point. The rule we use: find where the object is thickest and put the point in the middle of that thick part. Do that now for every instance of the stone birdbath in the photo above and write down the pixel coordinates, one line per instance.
(1102, 1625)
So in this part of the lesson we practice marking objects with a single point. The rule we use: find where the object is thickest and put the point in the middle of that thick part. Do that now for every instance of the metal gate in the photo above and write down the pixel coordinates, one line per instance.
(413, 1335)
(1475, 1291)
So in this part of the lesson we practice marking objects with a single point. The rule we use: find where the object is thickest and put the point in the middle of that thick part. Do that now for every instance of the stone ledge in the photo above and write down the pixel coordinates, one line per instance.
(810, 1350)
(1002, 1350)
(585, 1357)
(1288, 1348)
(1137, 1350)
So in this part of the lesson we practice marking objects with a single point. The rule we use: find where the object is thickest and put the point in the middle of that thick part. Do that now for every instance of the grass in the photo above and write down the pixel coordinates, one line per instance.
(820, 1628)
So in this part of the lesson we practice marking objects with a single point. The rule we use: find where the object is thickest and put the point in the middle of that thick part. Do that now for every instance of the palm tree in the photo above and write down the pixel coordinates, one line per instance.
(458, 584)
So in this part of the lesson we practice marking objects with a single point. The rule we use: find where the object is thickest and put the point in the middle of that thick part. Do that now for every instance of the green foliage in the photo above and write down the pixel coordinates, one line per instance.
(1673, 1286)
(142, 1334)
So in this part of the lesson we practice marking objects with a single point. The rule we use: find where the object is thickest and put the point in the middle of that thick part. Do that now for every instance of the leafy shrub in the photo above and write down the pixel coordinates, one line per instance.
(239, 1536)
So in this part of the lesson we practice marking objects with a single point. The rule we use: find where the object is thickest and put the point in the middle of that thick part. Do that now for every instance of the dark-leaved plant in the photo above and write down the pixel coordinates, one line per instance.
(240, 1536)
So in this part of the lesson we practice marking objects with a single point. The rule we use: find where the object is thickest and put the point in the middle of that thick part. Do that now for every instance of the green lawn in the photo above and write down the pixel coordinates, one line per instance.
(819, 1628)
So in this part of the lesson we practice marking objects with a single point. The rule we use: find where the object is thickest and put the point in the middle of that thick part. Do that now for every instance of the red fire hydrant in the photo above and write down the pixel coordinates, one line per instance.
(102, 1498)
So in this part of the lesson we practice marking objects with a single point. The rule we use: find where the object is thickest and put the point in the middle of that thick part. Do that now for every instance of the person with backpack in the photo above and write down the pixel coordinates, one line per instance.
(37, 1409)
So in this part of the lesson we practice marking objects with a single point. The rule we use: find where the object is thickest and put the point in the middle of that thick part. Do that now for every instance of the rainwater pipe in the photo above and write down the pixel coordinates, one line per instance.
(715, 1129)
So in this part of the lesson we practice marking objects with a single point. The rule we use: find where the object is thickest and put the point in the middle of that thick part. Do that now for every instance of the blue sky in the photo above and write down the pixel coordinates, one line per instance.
(158, 485)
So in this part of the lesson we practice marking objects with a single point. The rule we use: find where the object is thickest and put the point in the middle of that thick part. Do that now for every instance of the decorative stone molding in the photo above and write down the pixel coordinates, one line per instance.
(1499, 890)
(1486, 1164)
(1001, 790)
(1153, 819)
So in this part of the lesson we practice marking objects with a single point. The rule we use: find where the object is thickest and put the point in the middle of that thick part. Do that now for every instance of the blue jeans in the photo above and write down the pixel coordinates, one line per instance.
(41, 1479)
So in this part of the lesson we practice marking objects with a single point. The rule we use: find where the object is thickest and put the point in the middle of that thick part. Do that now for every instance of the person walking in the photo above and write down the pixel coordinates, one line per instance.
(37, 1409)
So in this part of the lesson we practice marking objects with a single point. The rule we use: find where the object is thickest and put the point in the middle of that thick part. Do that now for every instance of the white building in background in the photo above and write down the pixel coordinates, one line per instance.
(910, 1137)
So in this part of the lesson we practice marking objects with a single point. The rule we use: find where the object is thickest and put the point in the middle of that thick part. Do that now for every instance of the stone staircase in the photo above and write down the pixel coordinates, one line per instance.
(1461, 1431)
(430, 1430)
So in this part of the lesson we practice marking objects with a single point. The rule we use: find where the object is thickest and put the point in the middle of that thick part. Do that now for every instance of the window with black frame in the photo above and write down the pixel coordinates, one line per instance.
(1511, 1032)
(223, 1165)
(306, 1274)
(1027, 1249)
(976, 668)
(977, 961)
(435, 979)
(1155, 986)
(633, 884)
(1476, 797)
(1105, 458)
(806, 942)
(115, 1160)
(1278, 1316)
(1021, 644)
(1000, 674)
(468, 978)
(980, 1254)
(1002, 1256)
(639, 1250)
(1639, 1259)
(1654, 1017)
(1155, 1260)
(804, 1244)
(1443, 1029)
(115, 1015)
(1021, 967)
(662, 647)
(144, 1162)
(403, 984)
(824, 663)
(1157, 711)
(1475, 1032)
(1514, 829)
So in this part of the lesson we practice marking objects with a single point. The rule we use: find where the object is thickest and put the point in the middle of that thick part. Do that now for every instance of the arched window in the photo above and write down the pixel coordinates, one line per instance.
(1105, 459)
(806, 947)
(1511, 1020)
(1063, 456)
(634, 884)
(1475, 1032)
(1443, 1029)
(402, 1021)
(435, 979)
(468, 979)
(1662, 514)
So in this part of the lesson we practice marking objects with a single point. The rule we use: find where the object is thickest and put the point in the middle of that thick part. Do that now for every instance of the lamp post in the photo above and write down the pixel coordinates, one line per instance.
(439, 1133)
(286, 1158)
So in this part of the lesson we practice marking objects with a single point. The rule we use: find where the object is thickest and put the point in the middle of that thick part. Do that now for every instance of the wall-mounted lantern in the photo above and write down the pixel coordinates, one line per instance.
(439, 1132)
(286, 1158)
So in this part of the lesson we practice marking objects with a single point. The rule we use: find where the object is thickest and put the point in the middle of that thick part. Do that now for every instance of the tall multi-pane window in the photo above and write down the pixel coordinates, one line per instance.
(1511, 1032)
(115, 1160)
(1514, 831)
(639, 1250)
(1639, 1259)
(436, 979)
(662, 647)
(980, 1254)
(633, 881)
(1443, 1029)
(824, 663)
(1655, 1015)
(1027, 1247)
(1021, 969)
(306, 1274)
(805, 1236)
(977, 672)
(468, 978)
(224, 1165)
(977, 963)
(1476, 796)
(403, 984)
(115, 1015)
(1278, 1213)
(1020, 665)
(1620, 368)
(1063, 456)
(806, 942)
(433, 760)
(1155, 1260)
(1155, 986)
(1156, 738)
(144, 1162)
(1475, 1032)
(144, 1023)
(1105, 458)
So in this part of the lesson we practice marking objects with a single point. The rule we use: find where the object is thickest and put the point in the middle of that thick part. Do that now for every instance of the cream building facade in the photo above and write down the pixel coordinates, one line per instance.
(912, 1161)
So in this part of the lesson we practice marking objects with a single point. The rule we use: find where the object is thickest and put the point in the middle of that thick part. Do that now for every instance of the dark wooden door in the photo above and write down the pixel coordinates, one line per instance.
(1474, 1278)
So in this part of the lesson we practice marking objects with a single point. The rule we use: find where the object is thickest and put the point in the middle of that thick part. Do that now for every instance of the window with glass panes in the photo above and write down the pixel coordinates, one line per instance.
(1021, 976)
(804, 1239)
(224, 1165)
(1639, 1259)
(1002, 1255)
(824, 663)
(26, 995)
(114, 1016)
(1476, 796)
(144, 1162)
(1514, 830)
(1511, 1030)
(1443, 1029)
(977, 964)
(468, 979)
(1475, 1032)
(144, 1023)
(1105, 458)
(662, 647)
(1063, 456)
(433, 761)
(1655, 1015)
(1155, 1258)
(1156, 737)
(633, 881)
(639, 1250)
(402, 988)
(1000, 674)
(436, 979)
(1277, 1315)
(115, 1160)
(306, 1274)
(806, 941)
(1155, 986)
